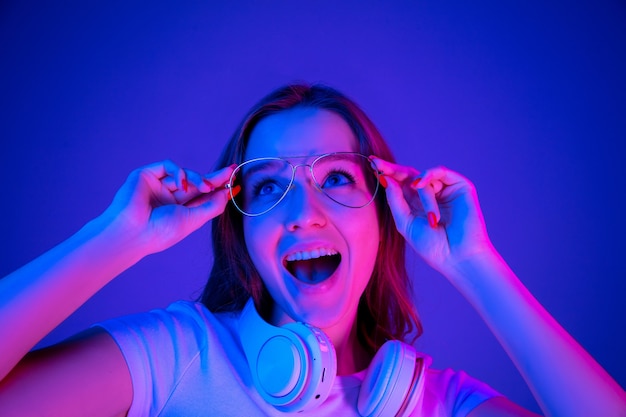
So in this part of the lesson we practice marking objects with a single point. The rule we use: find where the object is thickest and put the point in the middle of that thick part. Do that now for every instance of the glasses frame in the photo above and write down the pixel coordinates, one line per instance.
(231, 180)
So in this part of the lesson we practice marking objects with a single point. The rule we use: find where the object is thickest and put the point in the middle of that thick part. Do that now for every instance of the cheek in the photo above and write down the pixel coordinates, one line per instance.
(367, 228)
(259, 241)
(365, 236)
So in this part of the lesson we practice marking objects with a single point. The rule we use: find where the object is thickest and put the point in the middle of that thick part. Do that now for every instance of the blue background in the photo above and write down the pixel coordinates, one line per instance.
(526, 98)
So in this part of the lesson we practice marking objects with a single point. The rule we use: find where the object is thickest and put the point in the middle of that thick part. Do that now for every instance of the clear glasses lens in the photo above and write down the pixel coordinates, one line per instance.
(263, 183)
(346, 178)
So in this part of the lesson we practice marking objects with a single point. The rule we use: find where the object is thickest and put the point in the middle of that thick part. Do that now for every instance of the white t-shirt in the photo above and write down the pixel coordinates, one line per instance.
(187, 361)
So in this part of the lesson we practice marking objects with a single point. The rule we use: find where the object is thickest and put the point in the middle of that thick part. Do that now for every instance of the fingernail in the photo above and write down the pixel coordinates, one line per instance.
(432, 219)
(232, 166)
(234, 191)
(415, 182)
(185, 184)
(382, 179)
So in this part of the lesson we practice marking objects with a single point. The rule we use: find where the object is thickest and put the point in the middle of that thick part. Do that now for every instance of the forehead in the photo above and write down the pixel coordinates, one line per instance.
(301, 132)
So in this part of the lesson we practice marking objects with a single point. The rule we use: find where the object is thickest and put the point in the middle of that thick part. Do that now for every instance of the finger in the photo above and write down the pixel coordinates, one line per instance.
(167, 168)
(209, 184)
(193, 186)
(208, 206)
(185, 184)
(205, 198)
(406, 221)
(398, 205)
(437, 186)
(166, 192)
(400, 173)
(429, 202)
(218, 179)
(169, 184)
(167, 180)
(196, 183)
(439, 174)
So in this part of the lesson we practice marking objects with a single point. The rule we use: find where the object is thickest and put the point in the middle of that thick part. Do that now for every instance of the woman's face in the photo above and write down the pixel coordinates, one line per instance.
(289, 244)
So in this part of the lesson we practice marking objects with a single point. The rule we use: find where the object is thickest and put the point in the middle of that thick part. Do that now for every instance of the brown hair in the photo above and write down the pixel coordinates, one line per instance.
(386, 310)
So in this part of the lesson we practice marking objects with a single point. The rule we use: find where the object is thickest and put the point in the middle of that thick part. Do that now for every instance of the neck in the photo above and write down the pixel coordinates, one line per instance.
(352, 357)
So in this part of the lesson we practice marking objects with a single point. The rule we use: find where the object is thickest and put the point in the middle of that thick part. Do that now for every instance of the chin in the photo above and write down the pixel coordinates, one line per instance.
(323, 313)
(324, 304)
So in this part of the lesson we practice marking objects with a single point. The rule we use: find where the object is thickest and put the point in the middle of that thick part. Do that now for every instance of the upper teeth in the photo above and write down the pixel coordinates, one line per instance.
(311, 254)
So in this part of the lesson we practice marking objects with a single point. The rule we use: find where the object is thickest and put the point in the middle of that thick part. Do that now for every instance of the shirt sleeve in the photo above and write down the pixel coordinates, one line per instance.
(157, 346)
(454, 393)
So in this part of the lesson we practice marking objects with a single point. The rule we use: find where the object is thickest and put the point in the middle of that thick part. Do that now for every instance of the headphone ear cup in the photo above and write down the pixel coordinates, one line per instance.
(280, 369)
(293, 367)
(277, 357)
(322, 368)
(393, 383)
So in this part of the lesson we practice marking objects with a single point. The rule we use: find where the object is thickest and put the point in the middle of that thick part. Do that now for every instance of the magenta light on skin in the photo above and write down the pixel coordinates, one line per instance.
(518, 98)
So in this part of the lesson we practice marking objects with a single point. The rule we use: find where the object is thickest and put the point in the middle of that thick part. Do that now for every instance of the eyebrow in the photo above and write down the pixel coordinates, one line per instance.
(259, 165)
(262, 162)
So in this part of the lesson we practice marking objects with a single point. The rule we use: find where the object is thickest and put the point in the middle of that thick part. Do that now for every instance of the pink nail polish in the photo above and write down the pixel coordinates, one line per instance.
(416, 182)
(185, 184)
(432, 219)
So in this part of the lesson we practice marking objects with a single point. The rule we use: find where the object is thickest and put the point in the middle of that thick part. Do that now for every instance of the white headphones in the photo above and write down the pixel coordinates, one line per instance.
(294, 366)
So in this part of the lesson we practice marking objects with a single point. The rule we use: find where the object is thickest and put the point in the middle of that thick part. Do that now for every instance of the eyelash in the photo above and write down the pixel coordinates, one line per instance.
(340, 171)
(260, 183)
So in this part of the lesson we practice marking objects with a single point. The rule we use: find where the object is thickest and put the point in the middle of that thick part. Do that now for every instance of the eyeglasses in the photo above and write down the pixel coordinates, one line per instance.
(347, 178)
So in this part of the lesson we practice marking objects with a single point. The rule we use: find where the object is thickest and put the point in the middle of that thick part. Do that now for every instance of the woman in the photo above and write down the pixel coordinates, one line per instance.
(310, 238)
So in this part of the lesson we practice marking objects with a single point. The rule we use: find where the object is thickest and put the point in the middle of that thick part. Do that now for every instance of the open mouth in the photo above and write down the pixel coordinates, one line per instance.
(313, 267)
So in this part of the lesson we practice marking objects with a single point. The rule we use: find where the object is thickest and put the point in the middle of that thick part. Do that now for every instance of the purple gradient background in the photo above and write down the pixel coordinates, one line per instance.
(527, 100)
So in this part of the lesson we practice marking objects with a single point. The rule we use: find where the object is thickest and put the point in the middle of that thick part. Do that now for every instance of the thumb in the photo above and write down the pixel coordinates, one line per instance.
(400, 209)
(415, 230)
(212, 206)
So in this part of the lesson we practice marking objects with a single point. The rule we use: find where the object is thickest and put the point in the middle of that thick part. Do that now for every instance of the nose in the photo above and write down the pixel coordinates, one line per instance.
(304, 206)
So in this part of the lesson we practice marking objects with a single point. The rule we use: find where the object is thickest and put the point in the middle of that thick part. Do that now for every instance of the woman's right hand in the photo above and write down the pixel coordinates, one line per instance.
(160, 204)
(157, 206)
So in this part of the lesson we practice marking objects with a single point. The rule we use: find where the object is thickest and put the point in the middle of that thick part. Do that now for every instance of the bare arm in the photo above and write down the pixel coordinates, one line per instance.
(40, 295)
(86, 376)
(564, 379)
(500, 407)
(440, 217)
(157, 206)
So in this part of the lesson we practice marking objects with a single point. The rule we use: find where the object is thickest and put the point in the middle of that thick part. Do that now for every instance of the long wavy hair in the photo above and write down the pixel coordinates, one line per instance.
(386, 310)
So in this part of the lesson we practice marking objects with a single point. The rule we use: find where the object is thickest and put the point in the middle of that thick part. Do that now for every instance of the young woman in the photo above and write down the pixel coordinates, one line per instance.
(308, 297)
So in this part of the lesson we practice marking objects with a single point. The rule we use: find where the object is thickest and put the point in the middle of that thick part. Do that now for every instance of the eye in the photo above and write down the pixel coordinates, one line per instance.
(266, 187)
(338, 178)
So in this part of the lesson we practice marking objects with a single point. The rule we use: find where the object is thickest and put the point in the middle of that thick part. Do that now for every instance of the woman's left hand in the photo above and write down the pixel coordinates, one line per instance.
(437, 212)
